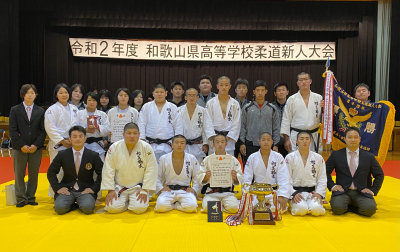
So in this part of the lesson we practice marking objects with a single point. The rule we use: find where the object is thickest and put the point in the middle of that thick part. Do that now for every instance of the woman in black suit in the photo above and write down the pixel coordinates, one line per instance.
(27, 134)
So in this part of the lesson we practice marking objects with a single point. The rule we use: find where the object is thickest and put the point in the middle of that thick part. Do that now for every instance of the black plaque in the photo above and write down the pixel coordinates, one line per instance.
(214, 211)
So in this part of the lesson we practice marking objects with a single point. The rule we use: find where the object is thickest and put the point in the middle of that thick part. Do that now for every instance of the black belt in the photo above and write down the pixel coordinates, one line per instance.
(90, 140)
(300, 189)
(224, 133)
(197, 140)
(126, 188)
(158, 141)
(308, 131)
(249, 143)
(178, 187)
(216, 189)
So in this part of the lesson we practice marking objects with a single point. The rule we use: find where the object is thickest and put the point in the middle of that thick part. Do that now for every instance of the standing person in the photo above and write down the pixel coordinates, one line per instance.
(197, 125)
(281, 91)
(241, 89)
(224, 194)
(258, 116)
(362, 92)
(26, 127)
(77, 185)
(302, 113)
(76, 95)
(269, 167)
(129, 173)
(177, 91)
(353, 166)
(121, 114)
(58, 119)
(138, 99)
(205, 87)
(176, 171)
(99, 126)
(308, 178)
(159, 121)
(225, 114)
(105, 98)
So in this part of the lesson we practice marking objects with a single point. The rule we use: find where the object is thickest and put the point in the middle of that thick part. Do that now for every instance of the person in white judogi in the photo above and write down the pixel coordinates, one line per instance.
(269, 167)
(121, 114)
(129, 173)
(302, 112)
(96, 130)
(308, 178)
(159, 121)
(197, 125)
(228, 200)
(224, 112)
(58, 119)
(176, 171)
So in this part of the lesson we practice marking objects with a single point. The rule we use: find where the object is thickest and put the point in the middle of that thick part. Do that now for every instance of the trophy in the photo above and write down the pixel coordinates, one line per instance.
(262, 214)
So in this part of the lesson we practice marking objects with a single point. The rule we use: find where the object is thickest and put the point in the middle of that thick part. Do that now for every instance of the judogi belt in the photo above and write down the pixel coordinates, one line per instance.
(127, 188)
(308, 131)
(216, 189)
(90, 140)
(197, 140)
(300, 189)
(178, 187)
(158, 141)
(224, 133)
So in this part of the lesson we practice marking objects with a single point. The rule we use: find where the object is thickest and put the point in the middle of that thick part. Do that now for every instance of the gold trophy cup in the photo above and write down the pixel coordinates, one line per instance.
(262, 214)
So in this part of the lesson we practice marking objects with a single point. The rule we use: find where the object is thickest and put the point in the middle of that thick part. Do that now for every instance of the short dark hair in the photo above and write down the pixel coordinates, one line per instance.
(304, 132)
(180, 83)
(265, 133)
(352, 129)
(190, 89)
(159, 85)
(223, 78)
(131, 125)
(260, 83)
(93, 95)
(280, 84)
(25, 88)
(106, 93)
(123, 90)
(361, 85)
(178, 136)
(218, 134)
(204, 76)
(77, 128)
(241, 81)
(303, 73)
(57, 88)
(81, 88)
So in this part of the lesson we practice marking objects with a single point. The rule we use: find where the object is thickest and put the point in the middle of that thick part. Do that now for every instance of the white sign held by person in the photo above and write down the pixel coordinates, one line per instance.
(202, 50)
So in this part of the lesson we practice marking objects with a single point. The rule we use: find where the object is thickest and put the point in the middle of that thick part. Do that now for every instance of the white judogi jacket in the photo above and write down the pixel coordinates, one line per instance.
(104, 128)
(312, 174)
(275, 173)
(230, 123)
(206, 166)
(199, 125)
(119, 118)
(126, 170)
(168, 176)
(162, 125)
(58, 120)
(296, 115)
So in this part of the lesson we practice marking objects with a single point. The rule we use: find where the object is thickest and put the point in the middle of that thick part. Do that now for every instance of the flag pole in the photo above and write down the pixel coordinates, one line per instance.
(327, 64)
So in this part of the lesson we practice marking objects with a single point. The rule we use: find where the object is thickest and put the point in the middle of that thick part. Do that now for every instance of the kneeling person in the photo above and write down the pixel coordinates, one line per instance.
(176, 171)
(224, 194)
(129, 173)
(308, 178)
(77, 184)
(269, 167)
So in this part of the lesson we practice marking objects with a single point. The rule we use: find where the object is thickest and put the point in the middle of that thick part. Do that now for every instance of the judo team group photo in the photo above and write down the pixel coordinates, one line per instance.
(168, 146)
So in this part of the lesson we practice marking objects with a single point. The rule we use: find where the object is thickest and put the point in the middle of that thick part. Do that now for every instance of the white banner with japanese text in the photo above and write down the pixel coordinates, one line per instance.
(202, 51)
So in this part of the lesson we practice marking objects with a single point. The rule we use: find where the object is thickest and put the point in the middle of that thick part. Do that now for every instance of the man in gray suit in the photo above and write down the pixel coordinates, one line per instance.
(205, 93)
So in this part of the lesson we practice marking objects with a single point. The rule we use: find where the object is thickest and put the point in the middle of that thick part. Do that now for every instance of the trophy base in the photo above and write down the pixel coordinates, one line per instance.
(263, 218)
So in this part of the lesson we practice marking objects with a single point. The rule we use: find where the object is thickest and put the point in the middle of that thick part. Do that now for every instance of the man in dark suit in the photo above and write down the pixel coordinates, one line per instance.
(77, 185)
(27, 134)
(352, 190)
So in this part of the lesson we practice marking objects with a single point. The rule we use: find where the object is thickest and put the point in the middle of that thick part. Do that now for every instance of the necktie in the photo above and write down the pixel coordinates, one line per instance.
(77, 164)
(353, 165)
(29, 112)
